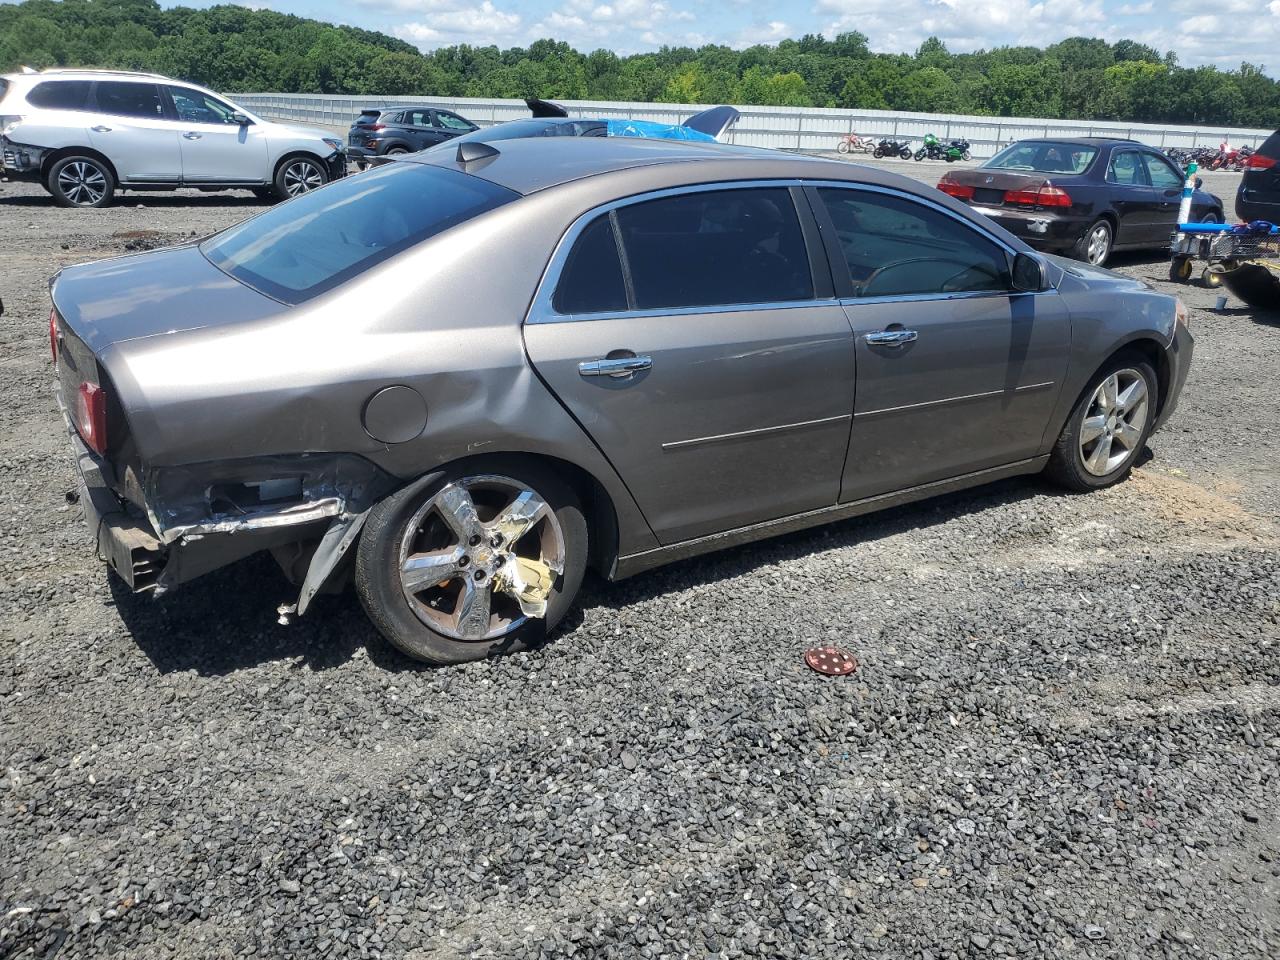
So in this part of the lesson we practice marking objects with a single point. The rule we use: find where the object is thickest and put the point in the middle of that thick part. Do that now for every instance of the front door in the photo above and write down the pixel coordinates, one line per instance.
(216, 149)
(1167, 182)
(134, 132)
(956, 372)
(421, 130)
(685, 336)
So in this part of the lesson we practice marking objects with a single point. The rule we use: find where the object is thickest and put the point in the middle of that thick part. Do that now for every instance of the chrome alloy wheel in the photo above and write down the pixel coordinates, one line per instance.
(301, 176)
(480, 557)
(82, 183)
(1114, 423)
(1098, 244)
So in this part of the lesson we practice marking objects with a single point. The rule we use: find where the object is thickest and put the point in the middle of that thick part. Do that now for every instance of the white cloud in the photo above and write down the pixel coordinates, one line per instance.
(770, 32)
(1139, 9)
(483, 24)
(618, 24)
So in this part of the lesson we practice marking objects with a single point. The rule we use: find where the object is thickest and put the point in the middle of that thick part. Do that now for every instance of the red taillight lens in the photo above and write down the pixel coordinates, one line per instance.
(378, 126)
(91, 416)
(53, 334)
(1046, 196)
(961, 191)
(1259, 162)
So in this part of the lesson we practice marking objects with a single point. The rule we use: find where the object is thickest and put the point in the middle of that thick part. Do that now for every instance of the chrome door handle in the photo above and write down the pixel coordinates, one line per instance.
(191, 136)
(891, 338)
(100, 129)
(621, 367)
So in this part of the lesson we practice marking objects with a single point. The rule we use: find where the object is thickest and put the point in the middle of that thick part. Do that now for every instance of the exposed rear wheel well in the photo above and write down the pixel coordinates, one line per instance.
(54, 156)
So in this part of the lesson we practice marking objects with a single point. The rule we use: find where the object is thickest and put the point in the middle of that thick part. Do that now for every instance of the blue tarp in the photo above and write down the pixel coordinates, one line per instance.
(658, 131)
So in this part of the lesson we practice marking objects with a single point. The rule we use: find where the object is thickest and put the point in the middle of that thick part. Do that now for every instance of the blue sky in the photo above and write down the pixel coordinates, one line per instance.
(1221, 32)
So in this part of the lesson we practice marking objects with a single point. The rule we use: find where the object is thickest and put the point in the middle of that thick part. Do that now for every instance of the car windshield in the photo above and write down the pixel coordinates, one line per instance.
(1044, 156)
(319, 240)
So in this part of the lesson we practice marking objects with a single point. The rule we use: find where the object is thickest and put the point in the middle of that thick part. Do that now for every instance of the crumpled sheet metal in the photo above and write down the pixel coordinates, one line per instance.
(529, 581)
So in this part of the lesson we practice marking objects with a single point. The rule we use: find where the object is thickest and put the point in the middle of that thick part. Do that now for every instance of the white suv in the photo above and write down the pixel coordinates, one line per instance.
(86, 133)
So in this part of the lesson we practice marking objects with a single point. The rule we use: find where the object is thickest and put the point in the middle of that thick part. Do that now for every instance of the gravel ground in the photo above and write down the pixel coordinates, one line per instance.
(1062, 740)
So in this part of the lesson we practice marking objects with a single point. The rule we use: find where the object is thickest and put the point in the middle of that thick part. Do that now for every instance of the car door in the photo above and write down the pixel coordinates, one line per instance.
(215, 148)
(1166, 183)
(419, 129)
(451, 125)
(135, 132)
(1132, 197)
(957, 373)
(693, 335)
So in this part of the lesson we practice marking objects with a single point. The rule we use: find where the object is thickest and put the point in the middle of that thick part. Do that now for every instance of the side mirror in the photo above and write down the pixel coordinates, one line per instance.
(1199, 182)
(241, 119)
(1028, 274)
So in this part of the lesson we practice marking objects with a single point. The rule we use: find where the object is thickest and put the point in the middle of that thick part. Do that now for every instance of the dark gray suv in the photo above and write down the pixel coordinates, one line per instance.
(396, 130)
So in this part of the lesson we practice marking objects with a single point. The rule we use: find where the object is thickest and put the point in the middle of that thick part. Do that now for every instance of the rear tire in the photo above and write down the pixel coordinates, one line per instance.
(396, 152)
(1083, 460)
(1095, 245)
(81, 181)
(430, 622)
(1255, 285)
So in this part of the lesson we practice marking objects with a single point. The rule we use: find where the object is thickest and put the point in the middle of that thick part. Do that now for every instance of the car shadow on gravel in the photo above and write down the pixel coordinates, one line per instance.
(148, 200)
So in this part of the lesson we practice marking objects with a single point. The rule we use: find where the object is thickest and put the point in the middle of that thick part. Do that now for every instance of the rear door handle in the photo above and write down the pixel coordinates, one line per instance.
(191, 135)
(891, 338)
(100, 129)
(619, 367)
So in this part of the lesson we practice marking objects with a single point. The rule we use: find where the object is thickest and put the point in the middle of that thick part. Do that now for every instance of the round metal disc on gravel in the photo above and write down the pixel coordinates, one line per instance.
(831, 661)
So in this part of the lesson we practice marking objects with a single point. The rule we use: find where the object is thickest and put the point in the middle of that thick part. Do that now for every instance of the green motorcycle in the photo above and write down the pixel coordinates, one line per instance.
(934, 150)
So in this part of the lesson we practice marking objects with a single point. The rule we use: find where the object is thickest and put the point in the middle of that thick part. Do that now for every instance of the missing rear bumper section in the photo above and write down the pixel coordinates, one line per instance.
(21, 161)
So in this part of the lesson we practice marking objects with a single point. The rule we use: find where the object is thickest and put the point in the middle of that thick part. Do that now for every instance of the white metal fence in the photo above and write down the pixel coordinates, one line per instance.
(791, 128)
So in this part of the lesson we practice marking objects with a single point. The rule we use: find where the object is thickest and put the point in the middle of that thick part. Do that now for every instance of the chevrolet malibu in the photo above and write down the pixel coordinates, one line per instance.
(584, 352)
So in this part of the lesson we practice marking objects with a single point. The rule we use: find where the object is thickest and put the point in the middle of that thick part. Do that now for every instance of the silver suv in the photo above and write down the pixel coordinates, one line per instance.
(84, 134)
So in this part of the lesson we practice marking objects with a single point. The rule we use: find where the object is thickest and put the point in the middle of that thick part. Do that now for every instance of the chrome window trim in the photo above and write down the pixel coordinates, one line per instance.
(542, 311)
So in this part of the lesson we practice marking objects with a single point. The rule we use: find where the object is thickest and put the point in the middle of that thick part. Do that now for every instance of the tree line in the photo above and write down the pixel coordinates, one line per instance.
(232, 48)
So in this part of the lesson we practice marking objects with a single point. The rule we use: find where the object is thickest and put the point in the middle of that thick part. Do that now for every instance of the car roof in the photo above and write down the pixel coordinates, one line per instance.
(71, 73)
(1084, 141)
(533, 164)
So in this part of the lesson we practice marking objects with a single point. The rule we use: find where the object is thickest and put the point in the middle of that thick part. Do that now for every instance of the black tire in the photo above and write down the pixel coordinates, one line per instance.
(1255, 285)
(878, 152)
(377, 576)
(842, 146)
(298, 175)
(81, 181)
(920, 155)
(905, 153)
(397, 151)
(966, 156)
(1211, 217)
(1180, 269)
(1066, 465)
(1081, 250)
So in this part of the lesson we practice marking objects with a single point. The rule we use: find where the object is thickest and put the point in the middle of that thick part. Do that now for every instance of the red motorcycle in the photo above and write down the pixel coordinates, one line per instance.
(852, 143)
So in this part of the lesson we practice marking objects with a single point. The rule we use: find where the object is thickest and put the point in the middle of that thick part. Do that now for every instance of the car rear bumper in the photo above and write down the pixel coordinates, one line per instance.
(1258, 205)
(1038, 228)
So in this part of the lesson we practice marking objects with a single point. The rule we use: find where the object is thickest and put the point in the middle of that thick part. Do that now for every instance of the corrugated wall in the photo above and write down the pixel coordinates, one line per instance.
(791, 128)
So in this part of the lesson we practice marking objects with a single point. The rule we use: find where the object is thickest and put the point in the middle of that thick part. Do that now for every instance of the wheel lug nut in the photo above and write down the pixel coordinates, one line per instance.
(479, 575)
(463, 560)
(496, 540)
(475, 540)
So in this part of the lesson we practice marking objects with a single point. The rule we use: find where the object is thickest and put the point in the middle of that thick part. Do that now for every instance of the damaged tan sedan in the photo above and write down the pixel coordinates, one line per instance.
(460, 379)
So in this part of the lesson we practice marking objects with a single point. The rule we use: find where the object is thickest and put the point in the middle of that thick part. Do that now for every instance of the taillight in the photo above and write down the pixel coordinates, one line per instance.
(91, 416)
(378, 126)
(961, 191)
(53, 334)
(1259, 162)
(1045, 196)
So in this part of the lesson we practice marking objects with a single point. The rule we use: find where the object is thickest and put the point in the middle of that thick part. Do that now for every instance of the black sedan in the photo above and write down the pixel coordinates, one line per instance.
(390, 131)
(1082, 196)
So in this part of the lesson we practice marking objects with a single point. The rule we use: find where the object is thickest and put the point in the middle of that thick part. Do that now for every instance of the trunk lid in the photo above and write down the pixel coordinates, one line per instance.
(991, 186)
(159, 293)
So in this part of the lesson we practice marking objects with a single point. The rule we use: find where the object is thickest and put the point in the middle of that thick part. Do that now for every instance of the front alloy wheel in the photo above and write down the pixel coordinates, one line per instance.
(463, 565)
(298, 176)
(1108, 427)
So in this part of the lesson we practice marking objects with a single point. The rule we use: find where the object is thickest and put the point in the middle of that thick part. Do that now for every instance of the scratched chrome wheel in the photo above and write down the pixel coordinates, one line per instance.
(1108, 427)
(466, 564)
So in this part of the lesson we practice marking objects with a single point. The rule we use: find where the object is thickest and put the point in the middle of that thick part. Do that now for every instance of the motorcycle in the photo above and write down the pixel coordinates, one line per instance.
(932, 148)
(956, 150)
(892, 148)
(852, 143)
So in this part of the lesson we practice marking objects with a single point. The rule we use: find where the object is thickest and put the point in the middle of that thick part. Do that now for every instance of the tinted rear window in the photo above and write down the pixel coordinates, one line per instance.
(319, 240)
(592, 279)
(1271, 146)
(1044, 156)
(60, 95)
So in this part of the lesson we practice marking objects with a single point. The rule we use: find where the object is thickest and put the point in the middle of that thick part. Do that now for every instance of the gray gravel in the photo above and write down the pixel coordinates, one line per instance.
(1062, 740)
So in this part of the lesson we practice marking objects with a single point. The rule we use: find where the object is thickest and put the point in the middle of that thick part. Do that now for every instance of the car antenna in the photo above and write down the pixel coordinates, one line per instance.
(471, 151)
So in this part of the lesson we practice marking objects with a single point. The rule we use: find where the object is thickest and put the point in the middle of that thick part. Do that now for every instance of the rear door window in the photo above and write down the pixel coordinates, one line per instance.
(592, 279)
(60, 95)
(321, 239)
(417, 118)
(1126, 168)
(121, 99)
(895, 246)
(715, 248)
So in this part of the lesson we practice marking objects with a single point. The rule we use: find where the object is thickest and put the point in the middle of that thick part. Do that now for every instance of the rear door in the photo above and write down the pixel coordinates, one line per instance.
(1132, 197)
(694, 336)
(135, 131)
(957, 373)
(216, 149)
